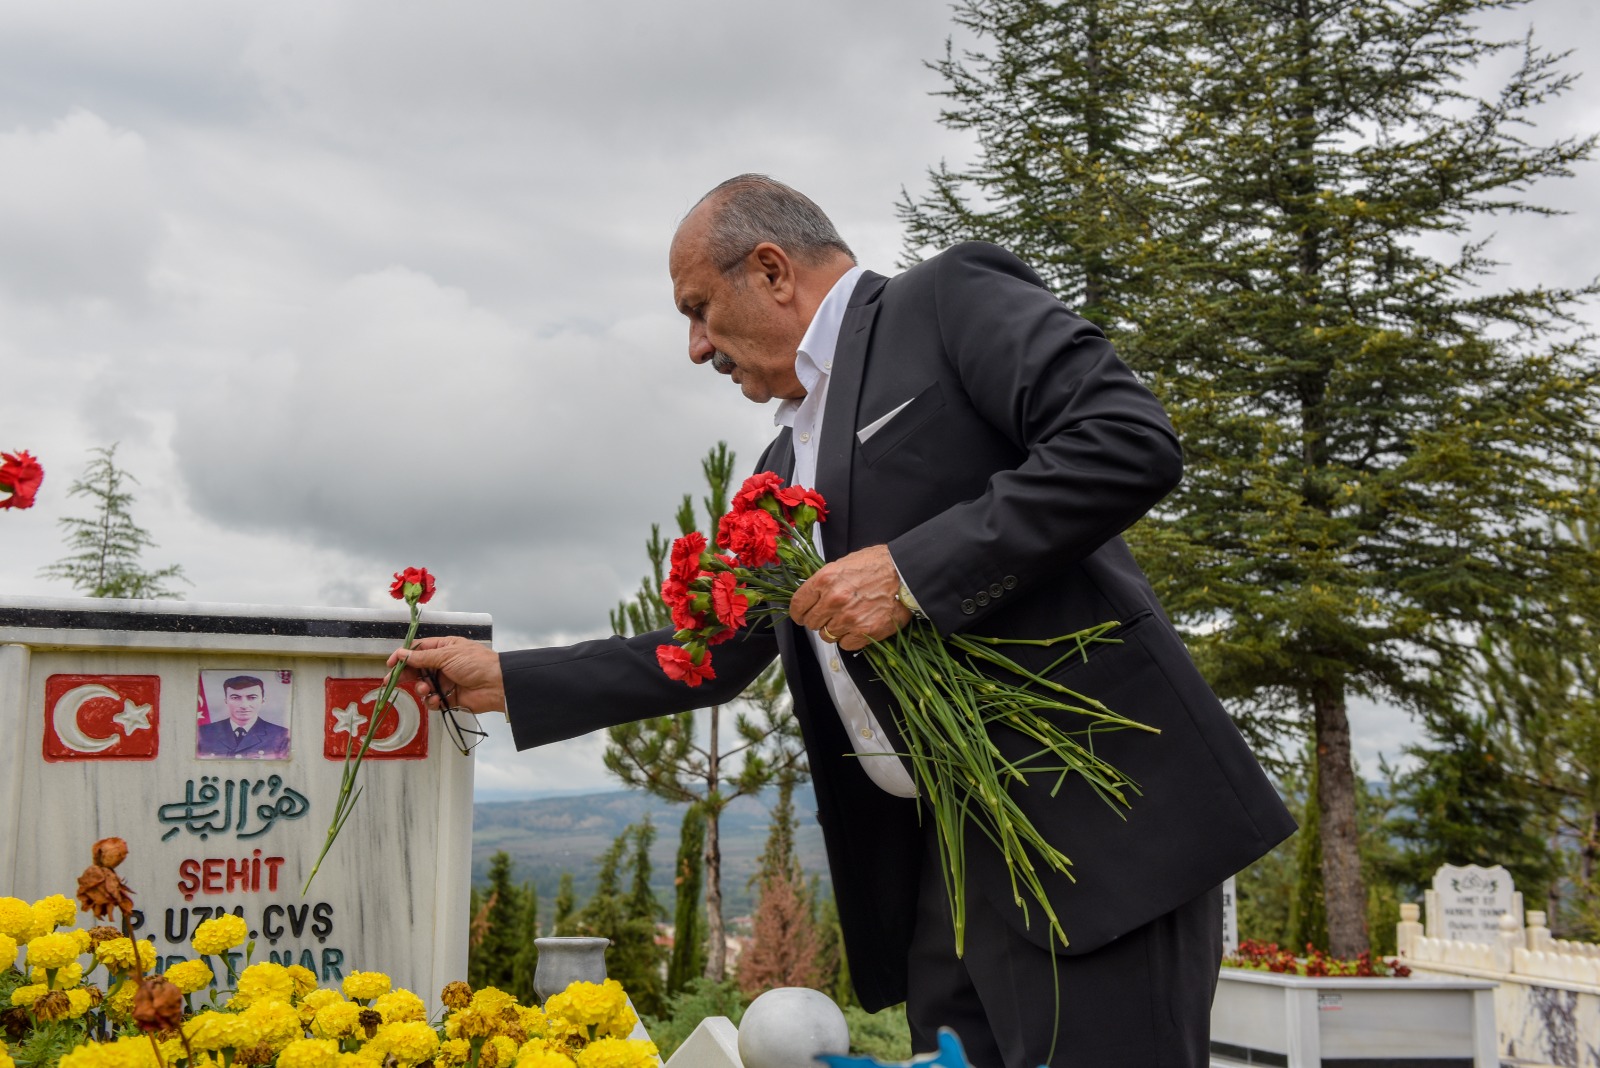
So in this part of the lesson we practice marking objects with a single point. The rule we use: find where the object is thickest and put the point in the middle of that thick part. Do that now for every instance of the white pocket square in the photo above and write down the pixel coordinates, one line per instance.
(879, 423)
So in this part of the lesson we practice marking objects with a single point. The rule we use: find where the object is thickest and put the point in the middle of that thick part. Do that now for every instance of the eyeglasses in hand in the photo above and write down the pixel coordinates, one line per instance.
(456, 718)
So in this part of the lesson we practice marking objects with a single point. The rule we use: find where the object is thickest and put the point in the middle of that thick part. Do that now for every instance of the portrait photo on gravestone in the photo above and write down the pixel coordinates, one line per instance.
(243, 714)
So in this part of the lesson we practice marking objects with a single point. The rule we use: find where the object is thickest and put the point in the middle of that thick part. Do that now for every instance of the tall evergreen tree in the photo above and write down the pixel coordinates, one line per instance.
(784, 944)
(492, 961)
(634, 958)
(565, 921)
(525, 961)
(688, 937)
(105, 547)
(663, 756)
(1373, 429)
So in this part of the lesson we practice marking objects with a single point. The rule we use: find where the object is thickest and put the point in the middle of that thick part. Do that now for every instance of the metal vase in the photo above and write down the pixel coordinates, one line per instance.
(563, 961)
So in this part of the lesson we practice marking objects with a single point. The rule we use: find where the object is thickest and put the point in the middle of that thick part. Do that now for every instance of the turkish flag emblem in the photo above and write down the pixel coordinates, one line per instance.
(402, 729)
(102, 717)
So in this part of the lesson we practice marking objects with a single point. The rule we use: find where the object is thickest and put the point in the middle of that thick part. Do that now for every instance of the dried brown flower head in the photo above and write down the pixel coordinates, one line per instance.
(260, 1053)
(456, 995)
(103, 933)
(489, 1057)
(53, 1006)
(16, 1023)
(370, 1020)
(109, 852)
(96, 996)
(515, 1033)
(157, 1004)
(101, 892)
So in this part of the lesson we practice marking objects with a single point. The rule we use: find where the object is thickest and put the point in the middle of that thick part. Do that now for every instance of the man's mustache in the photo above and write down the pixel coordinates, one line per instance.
(721, 362)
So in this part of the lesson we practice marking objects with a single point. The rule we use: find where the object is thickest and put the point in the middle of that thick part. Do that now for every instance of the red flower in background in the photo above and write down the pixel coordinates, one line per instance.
(684, 617)
(801, 496)
(686, 556)
(21, 474)
(412, 576)
(678, 664)
(755, 487)
(751, 535)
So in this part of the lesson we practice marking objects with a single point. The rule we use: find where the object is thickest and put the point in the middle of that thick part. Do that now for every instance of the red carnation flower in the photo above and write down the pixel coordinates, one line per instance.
(677, 662)
(412, 576)
(21, 474)
(686, 556)
(752, 536)
(727, 601)
(800, 496)
(684, 617)
(756, 487)
(674, 592)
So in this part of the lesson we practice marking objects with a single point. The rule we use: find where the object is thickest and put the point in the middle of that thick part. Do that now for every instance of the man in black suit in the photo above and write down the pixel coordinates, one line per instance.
(244, 735)
(981, 448)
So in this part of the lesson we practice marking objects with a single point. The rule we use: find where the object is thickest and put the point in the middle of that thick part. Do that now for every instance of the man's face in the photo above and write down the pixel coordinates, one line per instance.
(736, 318)
(244, 705)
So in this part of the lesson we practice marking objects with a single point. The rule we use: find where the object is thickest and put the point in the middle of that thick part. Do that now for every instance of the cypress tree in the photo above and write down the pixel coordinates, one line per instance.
(688, 949)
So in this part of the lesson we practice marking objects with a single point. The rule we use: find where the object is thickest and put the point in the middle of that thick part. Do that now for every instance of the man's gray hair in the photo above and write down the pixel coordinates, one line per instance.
(752, 208)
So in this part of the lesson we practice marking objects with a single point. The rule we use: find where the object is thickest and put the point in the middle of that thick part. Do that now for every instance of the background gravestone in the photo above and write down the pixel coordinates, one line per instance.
(118, 718)
(1467, 902)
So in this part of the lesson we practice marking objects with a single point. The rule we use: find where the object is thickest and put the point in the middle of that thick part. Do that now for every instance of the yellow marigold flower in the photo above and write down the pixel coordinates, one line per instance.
(265, 981)
(364, 986)
(617, 1053)
(310, 1053)
(315, 1000)
(453, 1052)
(132, 1051)
(220, 1030)
(469, 1023)
(337, 1019)
(85, 939)
(542, 1058)
(66, 978)
(400, 1006)
(490, 1000)
(410, 1041)
(120, 1001)
(190, 975)
(16, 918)
(25, 996)
(82, 1002)
(587, 1004)
(220, 933)
(117, 955)
(52, 951)
(57, 909)
(619, 1024)
(305, 980)
(8, 951)
(276, 1022)
(5, 1057)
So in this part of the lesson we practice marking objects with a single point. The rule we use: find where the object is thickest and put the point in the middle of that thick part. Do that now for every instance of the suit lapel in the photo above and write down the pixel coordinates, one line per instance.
(838, 443)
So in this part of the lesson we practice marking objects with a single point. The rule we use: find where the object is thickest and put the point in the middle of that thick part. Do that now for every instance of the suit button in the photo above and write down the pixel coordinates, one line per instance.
(968, 606)
(1009, 582)
(995, 590)
(981, 597)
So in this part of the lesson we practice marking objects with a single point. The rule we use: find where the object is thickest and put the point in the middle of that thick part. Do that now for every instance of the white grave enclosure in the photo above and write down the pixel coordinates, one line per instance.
(118, 718)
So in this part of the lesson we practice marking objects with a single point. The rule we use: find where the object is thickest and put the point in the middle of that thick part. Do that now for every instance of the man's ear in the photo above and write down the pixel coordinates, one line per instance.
(776, 271)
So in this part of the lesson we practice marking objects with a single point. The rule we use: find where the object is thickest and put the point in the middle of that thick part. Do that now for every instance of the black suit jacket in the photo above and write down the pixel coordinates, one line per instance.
(1018, 450)
(263, 741)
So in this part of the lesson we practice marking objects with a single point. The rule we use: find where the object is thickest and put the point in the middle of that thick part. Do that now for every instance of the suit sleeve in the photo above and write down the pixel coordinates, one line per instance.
(554, 694)
(1097, 450)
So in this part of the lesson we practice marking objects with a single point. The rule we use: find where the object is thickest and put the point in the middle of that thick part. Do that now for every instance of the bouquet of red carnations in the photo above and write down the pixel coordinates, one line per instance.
(945, 687)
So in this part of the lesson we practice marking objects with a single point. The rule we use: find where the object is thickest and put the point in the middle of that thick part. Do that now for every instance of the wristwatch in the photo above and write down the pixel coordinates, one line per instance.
(903, 595)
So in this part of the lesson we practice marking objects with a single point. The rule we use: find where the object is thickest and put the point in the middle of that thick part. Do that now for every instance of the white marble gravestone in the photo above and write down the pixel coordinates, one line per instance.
(104, 713)
(1230, 916)
(1466, 903)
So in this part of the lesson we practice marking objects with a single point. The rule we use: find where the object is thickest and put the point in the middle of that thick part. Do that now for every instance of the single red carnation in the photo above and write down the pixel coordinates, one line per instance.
(677, 662)
(686, 556)
(684, 617)
(674, 592)
(728, 601)
(800, 496)
(21, 474)
(412, 576)
(756, 487)
(752, 536)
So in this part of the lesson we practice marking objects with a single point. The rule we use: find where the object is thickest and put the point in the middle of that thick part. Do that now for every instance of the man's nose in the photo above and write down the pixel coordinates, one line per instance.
(700, 346)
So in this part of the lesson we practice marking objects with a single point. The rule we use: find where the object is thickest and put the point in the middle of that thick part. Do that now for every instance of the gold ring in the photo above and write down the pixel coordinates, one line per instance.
(827, 636)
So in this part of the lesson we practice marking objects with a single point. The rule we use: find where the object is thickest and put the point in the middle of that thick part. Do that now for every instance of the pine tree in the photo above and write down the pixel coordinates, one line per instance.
(688, 937)
(634, 958)
(492, 961)
(525, 962)
(565, 922)
(664, 757)
(784, 944)
(1373, 430)
(105, 548)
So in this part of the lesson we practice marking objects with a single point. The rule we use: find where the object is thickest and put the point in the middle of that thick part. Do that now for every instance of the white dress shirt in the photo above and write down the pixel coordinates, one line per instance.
(813, 365)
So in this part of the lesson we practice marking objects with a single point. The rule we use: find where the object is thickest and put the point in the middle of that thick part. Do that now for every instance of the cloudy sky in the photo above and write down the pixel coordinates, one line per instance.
(367, 284)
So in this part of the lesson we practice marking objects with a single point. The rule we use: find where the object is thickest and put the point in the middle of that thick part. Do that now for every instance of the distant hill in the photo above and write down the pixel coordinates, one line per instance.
(551, 835)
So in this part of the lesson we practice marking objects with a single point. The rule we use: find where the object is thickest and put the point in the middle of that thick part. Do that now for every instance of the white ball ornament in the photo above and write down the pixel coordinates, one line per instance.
(789, 1026)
